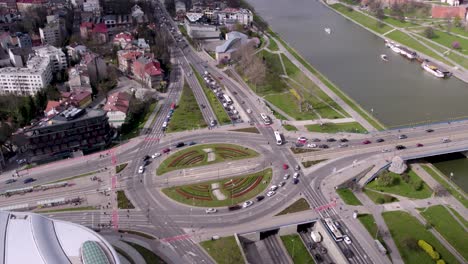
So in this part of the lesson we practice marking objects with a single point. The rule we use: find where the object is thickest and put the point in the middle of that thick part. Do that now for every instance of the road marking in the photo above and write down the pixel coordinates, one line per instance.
(175, 238)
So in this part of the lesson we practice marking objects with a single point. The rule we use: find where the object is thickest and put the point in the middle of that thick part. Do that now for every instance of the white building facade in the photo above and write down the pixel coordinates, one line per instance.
(57, 57)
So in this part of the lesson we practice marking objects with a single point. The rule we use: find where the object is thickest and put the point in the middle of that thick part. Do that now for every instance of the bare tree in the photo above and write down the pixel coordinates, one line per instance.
(252, 67)
(440, 190)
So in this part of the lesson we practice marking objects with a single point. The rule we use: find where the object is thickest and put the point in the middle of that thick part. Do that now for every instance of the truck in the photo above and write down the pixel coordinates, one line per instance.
(316, 236)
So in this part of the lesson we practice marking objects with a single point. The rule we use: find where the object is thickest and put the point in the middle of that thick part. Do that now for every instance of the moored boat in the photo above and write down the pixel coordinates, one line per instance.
(434, 70)
(328, 30)
(384, 57)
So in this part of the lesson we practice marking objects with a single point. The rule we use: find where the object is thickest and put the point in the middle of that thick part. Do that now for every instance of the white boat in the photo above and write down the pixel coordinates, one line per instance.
(395, 48)
(328, 30)
(433, 70)
(384, 57)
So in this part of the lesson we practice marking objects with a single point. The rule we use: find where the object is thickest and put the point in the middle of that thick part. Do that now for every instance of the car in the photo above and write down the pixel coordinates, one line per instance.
(344, 140)
(271, 193)
(28, 180)
(141, 169)
(249, 111)
(155, 155)
(297, 168)
(318, 258)
(202, 106)
(400, 147)
(342, 145)
(385, 150)
(402, 136)
(213, 123)
(247, 204)
(286, 176)
(180, 144)
(311, 145)
(430, 130)
(419, 145)
(347, 240)
(191, 143)
(379, 140)
(324, 146)
(9, 181)
(166, 150)
(234, 207)
(146, 157)
(259, 198)
(302, 140)
(348, 253)
(331, 140)
(211, 211)
(285, 166)
(21, 161)
(281, 184)
(445, 140)
(365, 142)
(296, 175)
(315, 140)
(273, 188)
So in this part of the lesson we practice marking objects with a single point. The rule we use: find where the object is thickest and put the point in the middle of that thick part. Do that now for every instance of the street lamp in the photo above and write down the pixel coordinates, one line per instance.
(451, 176)
(294, 243)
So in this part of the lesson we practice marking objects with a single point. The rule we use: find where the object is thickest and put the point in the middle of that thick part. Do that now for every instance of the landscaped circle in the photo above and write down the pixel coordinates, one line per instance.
(224, 192)
(203, 155)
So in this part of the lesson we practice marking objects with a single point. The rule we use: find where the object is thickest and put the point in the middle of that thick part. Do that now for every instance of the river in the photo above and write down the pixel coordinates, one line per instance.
(399, 92)
(456, 164)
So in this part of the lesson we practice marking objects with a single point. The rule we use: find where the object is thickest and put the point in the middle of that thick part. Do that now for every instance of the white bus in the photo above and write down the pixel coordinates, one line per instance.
(279, 141)
(227, 98)
(266, 119)
(336, 233)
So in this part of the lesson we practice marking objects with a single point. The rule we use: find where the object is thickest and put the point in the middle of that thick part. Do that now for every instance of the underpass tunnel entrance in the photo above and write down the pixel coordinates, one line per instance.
(304, 228)
(265, 234)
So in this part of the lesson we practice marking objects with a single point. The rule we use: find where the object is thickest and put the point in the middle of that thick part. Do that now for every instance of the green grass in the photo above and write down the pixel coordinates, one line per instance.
(224, 250)
(124, 254)
(353, 127)
(459, 217)
(310, 91)
(184, 33)
(137, 233)
(296, 249)
(311, 163)
(273, 45)
(247, 130)
(202, 195)
(148, 255)
(403, 226)
(366, 21)
(273, 82)
(368, 221)
(303, 150)
(174, 161)
(290, 105)
(120, 167)
(71, 209)
(403, 188)
(447, 39)
(453, 191)
(397, 23)
(374, 122)
(123, 202)
(135, 131)
(215, 104)
(290, 127)
(298, 206)
(442, 50)
(74, 177)
(348, 197)
(379, 198)
(441, 219)
(411, 43)
(187, 115)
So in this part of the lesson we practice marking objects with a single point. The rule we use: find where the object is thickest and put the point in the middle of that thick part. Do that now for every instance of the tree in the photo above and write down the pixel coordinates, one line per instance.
(386, 180)
(234, 3)
(397, 11)
(418, 185)
(449, 23)
(170, 6)
(410, 243)
(379, 13)
(457, 22)
(440, 190)
(429, 33)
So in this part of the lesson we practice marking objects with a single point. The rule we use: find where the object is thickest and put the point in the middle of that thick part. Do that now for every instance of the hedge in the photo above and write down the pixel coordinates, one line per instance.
(429, 249)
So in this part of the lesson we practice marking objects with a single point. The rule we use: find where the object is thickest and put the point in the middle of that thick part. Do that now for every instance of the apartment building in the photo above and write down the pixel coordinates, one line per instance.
(57, 57)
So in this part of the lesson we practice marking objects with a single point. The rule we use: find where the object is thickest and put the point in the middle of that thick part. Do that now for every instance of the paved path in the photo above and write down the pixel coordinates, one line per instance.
(134, 255)
(321, 121)
(355, 115)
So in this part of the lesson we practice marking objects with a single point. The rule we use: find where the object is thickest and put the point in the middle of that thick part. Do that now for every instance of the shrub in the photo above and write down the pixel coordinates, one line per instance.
(386, 180)
(440, 261)
(418, 185)
(429, 249)
(380, 200)
(429, 33)
(410, 243)
(456, 45)
(405, 177)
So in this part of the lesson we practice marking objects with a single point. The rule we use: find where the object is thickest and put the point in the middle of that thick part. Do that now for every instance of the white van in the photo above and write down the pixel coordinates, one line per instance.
(164, 125)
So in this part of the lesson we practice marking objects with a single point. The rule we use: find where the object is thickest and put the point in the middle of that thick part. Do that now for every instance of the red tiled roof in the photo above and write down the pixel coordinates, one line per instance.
(51, 105)
(132, 55)
(123, 36)
(118, 101)
(88, 25)
(100, 28)
(449, 11)
(153, 68)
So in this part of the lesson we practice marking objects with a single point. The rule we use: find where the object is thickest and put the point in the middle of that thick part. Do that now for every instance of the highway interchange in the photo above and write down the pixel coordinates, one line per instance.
(158, 215)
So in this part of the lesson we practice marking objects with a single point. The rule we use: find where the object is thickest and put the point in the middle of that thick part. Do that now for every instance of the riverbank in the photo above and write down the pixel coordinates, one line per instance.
(401, 36)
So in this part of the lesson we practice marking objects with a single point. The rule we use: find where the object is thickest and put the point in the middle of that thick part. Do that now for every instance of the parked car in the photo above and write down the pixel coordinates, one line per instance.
(402, 136)
(324, 146)
(400, 147)
(379, 140)
(191, 143)
(9, 181)
(445, 140)
(281, 184)
(155, 155)
(385, 150)
(146, 157)
(318, 258)
(166, 150)
(331, 140)
(419, 145)
(28, 180)
(302, 140)
(259, 198)
(316, 140)
(429, 130)
(365, 142)
(141, 169)
(211, 210)
(343, 145)
(286, 176)
(297, 168)
(273, 188)
(271, 193)
(180, 144)
(296, 175)
(311, 145)
(285, 166)
(343, 140)
(296, 181)
(234, 207)
(247, 204)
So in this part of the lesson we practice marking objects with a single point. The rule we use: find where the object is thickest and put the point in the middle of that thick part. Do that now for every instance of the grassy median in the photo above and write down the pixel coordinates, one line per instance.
(348, 197)
(351, 127)
(297, 250)
(224, 250)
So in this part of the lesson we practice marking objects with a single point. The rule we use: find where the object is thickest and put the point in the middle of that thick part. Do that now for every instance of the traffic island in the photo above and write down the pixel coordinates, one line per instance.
(198, 156)
(224, 192)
